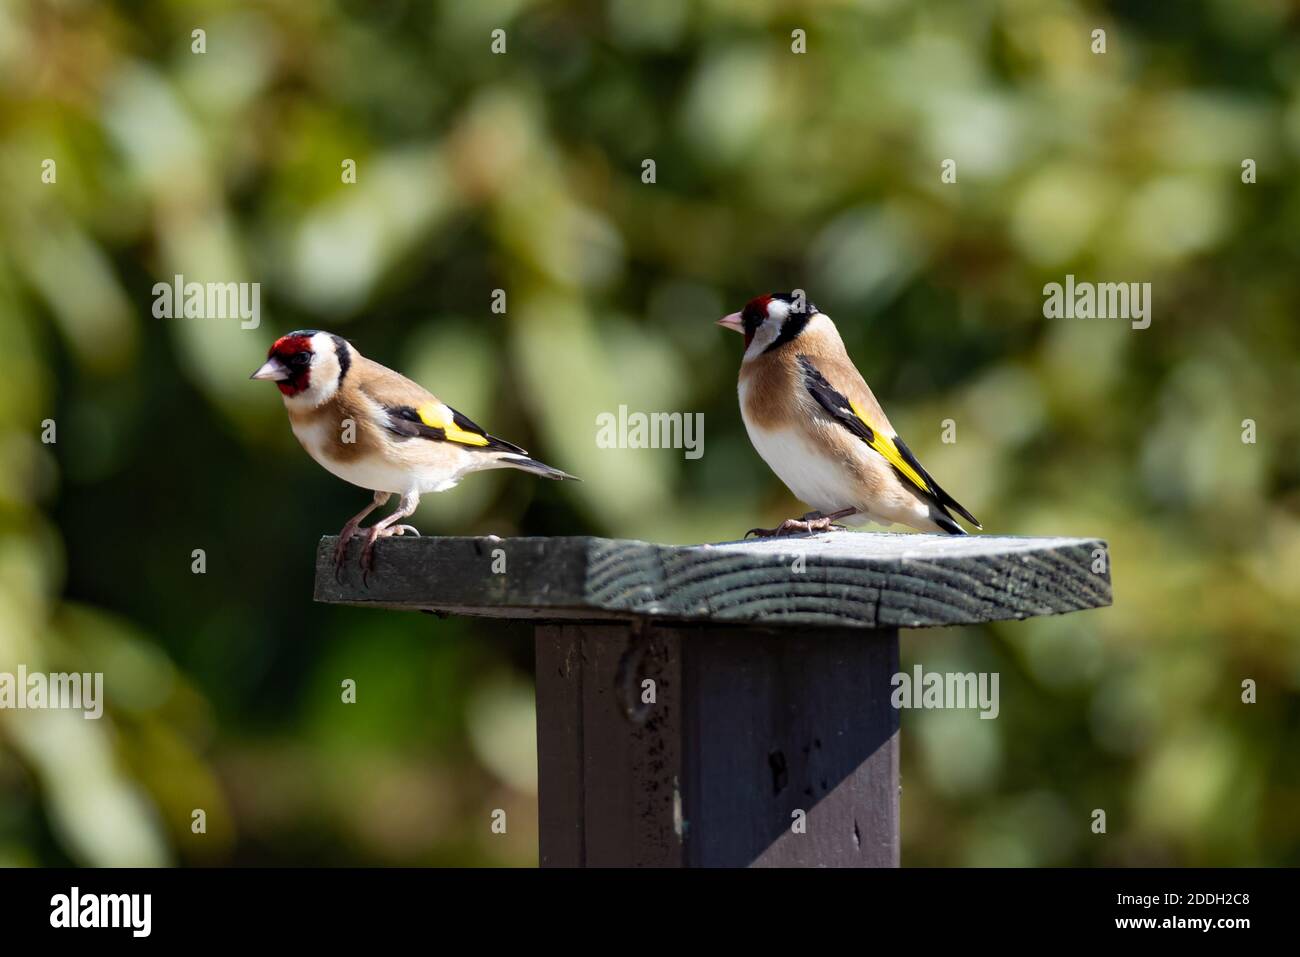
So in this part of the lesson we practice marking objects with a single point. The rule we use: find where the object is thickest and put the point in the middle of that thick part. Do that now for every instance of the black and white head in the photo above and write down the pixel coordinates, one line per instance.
(307, 366)
(768, 322)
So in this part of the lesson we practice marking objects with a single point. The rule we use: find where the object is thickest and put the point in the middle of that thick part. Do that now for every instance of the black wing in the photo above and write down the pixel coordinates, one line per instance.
(406, 420)
(891, 447)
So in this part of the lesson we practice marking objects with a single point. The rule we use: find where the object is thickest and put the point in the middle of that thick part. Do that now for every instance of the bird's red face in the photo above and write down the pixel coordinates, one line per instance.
(288, 363)
(772, 320)
(748, 319)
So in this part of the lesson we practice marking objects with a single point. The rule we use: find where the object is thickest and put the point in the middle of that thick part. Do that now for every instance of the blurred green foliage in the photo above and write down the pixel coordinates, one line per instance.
(522, 171)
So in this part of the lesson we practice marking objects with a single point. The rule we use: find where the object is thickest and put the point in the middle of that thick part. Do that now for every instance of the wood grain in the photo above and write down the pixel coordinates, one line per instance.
(784, 724)
(748, 728)
(839, 579)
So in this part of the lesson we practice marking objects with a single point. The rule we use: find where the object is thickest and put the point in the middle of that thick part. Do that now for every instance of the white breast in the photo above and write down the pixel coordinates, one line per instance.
(808, 472)
(369, 472)
(811, 475)
(828, 485)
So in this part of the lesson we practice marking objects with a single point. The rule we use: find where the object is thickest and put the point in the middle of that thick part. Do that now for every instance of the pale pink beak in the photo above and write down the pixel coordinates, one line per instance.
(272, 369)
(732, 322)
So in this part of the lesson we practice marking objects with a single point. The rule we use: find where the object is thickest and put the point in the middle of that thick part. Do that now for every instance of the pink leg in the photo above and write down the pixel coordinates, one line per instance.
(350, 529)
(385, 528)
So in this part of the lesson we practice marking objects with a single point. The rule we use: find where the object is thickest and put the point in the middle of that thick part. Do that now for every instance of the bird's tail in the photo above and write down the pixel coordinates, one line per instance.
(945, 521)
(526, 463)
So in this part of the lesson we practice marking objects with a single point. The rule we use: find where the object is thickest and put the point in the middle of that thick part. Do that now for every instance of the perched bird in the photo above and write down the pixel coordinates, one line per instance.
(816, 424)
(377, 429)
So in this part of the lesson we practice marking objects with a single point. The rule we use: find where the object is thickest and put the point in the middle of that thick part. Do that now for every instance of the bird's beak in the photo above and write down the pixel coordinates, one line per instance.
(272, 369)
(732, 322)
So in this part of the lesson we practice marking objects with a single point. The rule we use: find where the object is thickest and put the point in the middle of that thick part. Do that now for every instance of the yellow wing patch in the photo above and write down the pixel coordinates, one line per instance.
(440, 417)
(885, 446)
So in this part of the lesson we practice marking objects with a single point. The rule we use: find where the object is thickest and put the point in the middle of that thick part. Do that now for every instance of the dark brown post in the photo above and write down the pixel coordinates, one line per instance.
(758, 749)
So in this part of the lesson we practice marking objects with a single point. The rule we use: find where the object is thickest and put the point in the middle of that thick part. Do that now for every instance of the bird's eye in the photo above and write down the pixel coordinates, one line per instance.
(300, 359)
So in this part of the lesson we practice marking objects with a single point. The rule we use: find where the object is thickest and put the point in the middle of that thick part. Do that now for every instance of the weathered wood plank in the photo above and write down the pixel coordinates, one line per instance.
(561, 837)
(786, 724)
(631, 750)
(608, 764)
(766, 703)
(839, 579)
(746, 727)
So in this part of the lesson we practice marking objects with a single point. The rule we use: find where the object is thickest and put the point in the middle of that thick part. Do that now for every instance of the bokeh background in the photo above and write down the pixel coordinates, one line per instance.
(523, 172)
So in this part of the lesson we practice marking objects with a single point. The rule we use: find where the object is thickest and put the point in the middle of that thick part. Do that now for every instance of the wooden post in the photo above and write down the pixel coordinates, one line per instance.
(723, 705)
(746, 733)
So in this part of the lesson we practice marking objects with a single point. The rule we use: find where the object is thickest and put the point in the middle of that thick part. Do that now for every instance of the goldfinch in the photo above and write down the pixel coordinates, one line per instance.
(377, 429)
(816, 424)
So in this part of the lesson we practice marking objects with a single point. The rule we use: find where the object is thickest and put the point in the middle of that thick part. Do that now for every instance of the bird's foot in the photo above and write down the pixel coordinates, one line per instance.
(810, 523)
(791, 526)
(374, 534)
(341, 549)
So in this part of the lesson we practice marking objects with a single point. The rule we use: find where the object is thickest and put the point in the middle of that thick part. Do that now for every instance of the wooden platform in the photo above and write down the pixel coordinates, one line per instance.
(840, 579)
(728, 704)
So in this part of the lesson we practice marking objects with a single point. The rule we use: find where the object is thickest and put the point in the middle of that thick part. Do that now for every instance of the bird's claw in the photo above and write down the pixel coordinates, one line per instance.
(368, 561)
(791, 526)
(368, 553)
(341, 552)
